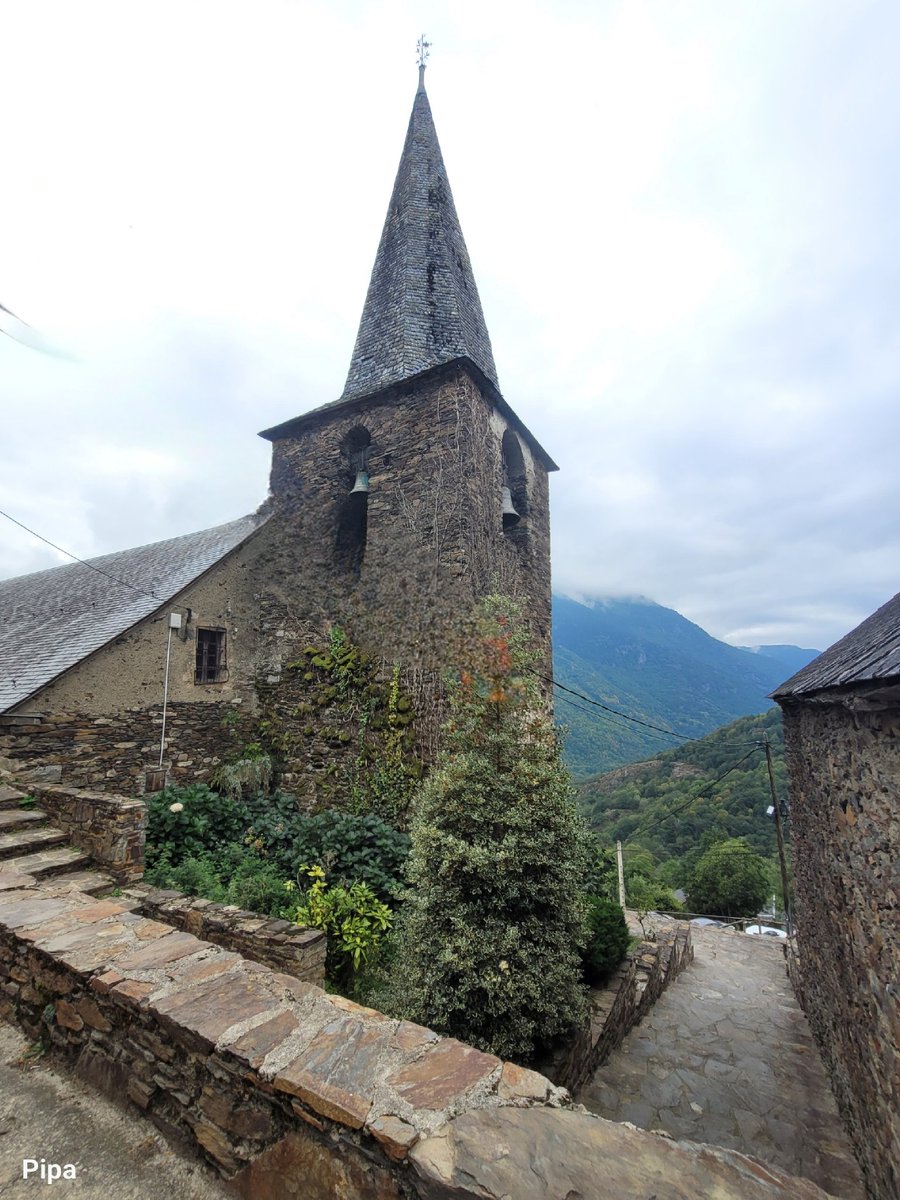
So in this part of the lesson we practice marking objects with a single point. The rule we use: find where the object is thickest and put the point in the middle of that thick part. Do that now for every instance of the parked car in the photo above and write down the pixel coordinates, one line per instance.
(765, 931)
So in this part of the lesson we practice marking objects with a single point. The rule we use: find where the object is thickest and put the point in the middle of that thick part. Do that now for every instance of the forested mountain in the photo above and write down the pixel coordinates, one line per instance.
(652, 663)
(651, 805)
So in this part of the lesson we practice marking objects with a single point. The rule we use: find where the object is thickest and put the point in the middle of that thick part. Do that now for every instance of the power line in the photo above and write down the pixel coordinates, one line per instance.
(90, 566)
(681, 737)
(698, 796)
(611, 720)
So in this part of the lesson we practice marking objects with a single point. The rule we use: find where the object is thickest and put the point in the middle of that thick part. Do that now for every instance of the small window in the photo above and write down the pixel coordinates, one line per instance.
(210, 656)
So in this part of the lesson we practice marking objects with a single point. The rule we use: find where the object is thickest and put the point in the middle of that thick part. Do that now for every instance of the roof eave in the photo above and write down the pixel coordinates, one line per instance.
(393, 391)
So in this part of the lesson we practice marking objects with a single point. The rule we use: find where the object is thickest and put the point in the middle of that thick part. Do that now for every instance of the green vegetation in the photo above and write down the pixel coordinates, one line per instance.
(608, 939)
(729, 880)
(652, 663)
(650, 808)
(489, 935)
(355, 920)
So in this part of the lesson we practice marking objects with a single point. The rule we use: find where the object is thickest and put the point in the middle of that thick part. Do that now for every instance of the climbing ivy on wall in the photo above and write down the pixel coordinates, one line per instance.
(335, 719)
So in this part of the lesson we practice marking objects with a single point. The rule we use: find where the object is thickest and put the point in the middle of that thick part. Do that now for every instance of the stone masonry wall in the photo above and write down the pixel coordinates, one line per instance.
(298, 1095)
(435, 542)
(112, 752)
(844, 770)
(109, 828)
(623, 1003)
(278, 944)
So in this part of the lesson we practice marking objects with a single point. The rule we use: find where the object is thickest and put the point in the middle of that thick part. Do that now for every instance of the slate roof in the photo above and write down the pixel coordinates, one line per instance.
(870, 653)
(422, 308)
(51, 620)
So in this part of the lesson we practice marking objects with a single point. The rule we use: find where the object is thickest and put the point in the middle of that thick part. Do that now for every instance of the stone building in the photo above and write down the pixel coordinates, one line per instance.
(842, 743)
(392, 511)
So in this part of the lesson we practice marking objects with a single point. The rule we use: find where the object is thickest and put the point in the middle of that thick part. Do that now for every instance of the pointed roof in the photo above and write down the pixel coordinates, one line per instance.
(422, 308)
(53, 619)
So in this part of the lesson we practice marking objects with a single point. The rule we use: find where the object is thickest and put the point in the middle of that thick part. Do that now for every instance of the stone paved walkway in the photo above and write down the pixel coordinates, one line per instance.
(726, 1057)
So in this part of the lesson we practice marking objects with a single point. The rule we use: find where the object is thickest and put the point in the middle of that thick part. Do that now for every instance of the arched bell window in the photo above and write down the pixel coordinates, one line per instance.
(353, 516)
(514, 492)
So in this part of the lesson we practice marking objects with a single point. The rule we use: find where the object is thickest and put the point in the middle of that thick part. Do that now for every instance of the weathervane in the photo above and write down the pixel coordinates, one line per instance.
(423, 49)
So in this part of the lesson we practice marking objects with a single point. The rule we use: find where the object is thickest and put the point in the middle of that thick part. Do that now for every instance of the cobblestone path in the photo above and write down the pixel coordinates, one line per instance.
(726, 1057)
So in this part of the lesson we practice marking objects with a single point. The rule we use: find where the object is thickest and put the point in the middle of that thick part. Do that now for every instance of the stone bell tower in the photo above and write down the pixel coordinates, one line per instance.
(419, 490)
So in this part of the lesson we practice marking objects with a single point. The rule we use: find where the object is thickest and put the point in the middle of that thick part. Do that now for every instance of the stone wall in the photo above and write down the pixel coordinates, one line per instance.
(844, 771)
(112, 752)
(434, 540)
(278, 944)
(297, 1094)
(109, 828)
(616, 1009)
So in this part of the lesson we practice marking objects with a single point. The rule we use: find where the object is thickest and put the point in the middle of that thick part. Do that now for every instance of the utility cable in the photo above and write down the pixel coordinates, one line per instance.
(681, 737)
(698, 796)
(90, 566)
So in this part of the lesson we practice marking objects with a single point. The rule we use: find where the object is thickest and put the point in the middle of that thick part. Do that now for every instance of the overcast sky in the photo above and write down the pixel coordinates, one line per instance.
(683, 220)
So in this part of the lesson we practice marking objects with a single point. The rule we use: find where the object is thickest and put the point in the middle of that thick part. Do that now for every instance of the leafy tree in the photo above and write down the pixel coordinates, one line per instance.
(729, 880)
(488, 941)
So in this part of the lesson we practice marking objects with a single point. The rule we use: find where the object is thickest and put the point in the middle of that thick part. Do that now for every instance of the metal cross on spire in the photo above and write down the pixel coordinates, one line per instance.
(423, 49)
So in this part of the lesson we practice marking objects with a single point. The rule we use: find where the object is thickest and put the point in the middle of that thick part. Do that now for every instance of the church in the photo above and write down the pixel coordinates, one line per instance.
(392, 511)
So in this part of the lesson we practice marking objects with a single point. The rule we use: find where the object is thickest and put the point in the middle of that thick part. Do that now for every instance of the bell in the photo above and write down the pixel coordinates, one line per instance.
(362, 483)
(510, 516)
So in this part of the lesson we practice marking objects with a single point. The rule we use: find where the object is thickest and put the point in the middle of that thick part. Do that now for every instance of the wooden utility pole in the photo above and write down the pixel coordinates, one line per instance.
(621, 869)
(780, 835)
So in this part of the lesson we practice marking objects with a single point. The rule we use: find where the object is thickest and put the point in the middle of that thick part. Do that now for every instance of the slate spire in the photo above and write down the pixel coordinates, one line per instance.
(422, 308)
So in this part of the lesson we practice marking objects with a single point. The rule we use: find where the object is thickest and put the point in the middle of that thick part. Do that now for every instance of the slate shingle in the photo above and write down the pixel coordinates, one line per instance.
(870, 653)
(51, 620)
(422, 308)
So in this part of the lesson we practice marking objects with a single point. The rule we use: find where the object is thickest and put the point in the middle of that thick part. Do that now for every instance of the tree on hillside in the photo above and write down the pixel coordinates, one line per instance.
(729, 880)
(489, 936)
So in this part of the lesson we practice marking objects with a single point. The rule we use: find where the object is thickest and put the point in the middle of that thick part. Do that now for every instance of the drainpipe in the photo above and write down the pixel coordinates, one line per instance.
(174, 623)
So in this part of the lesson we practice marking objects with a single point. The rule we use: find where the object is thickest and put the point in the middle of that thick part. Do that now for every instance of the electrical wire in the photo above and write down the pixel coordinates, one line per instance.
(698, 796)
(90, 566)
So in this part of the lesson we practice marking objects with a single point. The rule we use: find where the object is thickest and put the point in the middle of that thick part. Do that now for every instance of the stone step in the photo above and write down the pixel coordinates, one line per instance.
(20, 818)
(49, 862)
(92, 883)
(24, 841)
(10, 796)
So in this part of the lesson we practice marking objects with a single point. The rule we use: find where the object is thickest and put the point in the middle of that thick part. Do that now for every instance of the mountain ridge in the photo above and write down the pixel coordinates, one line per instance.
(648, 661)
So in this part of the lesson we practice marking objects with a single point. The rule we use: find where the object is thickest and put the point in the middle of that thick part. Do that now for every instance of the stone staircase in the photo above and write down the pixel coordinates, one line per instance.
(30, 845)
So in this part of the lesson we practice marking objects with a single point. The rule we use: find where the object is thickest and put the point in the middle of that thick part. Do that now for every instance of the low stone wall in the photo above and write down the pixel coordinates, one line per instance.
(278, 944)
(616, 1009)
(109, 828)
(113, 752)
(298, 1095)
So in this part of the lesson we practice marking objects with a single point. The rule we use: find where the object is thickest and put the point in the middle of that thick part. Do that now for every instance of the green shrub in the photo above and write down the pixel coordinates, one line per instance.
(231, 875)
(355, 920)
(185, 822)
(351, 847)
(608, 939)
(488, 938)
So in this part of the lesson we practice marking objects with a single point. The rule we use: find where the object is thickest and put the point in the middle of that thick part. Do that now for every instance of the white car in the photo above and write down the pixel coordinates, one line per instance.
(765, 931)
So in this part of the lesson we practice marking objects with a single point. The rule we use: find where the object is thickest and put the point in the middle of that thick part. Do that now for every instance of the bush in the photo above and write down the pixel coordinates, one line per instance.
(185, 822)
(487, 946)
(351, 847)
(232, 875)
(355, 920)
(608, 939)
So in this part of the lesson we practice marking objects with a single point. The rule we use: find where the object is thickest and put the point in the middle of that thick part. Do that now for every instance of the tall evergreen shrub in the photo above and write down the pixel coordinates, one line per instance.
(488, 944)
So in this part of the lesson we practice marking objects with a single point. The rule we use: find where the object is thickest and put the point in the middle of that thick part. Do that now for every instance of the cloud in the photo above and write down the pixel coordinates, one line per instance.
(683, 226)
